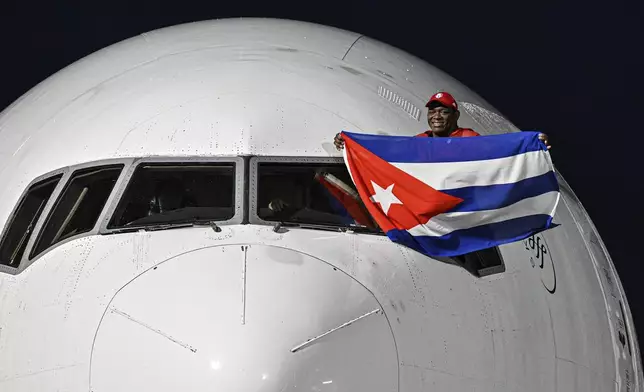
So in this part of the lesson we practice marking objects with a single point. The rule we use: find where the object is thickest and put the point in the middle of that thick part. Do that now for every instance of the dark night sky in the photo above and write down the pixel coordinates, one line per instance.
(566, 68)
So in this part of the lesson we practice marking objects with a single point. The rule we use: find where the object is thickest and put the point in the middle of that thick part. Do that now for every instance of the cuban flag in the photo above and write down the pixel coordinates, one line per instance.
(344, 200)
(452, 196)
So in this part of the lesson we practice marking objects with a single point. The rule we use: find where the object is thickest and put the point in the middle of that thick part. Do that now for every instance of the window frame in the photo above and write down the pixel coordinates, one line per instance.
(23, 263)
(66, 173)
(128, 172)
(246, 171)
(66, 182)
(129, 164)
(254, 179)
(62, 185)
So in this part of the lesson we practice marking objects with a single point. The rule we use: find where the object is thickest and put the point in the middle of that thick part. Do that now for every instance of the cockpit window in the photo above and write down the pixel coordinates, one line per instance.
(321, 194)
(19, 229)
(79, 205)
(177, 193)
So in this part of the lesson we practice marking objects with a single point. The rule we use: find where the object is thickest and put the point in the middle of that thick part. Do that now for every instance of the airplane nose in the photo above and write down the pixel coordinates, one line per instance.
(243, 318)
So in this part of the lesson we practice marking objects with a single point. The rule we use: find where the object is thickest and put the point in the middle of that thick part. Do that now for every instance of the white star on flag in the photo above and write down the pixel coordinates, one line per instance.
(383, 196)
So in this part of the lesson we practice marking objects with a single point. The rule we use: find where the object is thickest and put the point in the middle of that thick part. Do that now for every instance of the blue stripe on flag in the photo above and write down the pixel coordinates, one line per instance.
(411, 149)
(464, 241)
(492, 197)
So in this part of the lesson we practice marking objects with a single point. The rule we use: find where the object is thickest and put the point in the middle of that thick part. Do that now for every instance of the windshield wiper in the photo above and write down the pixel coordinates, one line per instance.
(319, 226)
(210, 223)
(166, 226)
(362, 229)
(278, 225)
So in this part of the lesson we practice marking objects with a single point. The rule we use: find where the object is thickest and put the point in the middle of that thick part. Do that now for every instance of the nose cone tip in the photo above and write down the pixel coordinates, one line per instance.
(261, 319)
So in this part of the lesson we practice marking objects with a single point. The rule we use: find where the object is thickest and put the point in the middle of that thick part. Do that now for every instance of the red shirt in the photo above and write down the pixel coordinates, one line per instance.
(458, 132)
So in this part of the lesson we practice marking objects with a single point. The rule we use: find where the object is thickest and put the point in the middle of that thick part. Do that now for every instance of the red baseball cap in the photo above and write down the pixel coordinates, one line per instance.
(445, 99)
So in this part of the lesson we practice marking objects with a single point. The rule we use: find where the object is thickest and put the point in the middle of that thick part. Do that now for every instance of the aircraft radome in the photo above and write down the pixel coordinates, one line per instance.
(139, 253)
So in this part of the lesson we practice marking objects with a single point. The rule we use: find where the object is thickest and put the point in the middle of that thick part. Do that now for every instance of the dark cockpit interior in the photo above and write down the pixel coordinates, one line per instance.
(163, 193)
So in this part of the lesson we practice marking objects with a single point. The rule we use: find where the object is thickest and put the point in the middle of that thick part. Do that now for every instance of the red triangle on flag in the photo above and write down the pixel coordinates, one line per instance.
(395, 199)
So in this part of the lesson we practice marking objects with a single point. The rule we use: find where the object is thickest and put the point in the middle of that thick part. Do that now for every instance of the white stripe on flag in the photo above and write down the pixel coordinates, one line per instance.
(446, 223)
(453, 175)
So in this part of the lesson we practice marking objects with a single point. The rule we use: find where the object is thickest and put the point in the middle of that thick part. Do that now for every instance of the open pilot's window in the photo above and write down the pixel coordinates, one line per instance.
(78, 206)
(310, 193)
(174, 193)
(483, 262)
(19, 229)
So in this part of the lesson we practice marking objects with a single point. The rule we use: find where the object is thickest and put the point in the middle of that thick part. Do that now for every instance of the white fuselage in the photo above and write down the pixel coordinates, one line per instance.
(197, 309)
